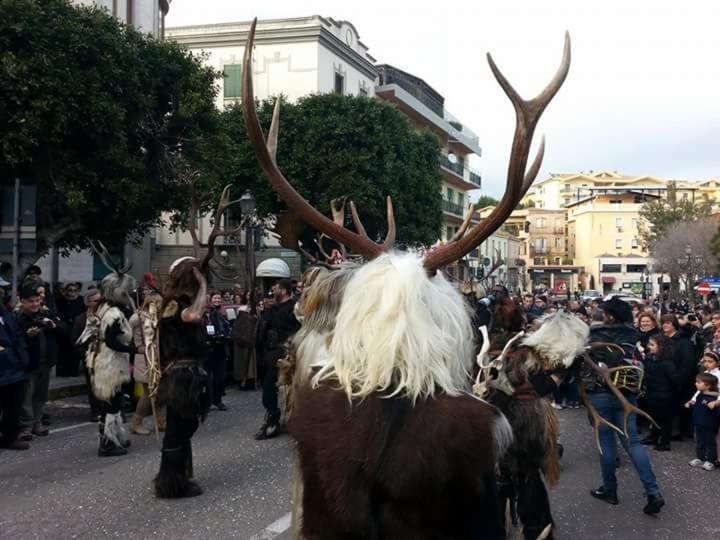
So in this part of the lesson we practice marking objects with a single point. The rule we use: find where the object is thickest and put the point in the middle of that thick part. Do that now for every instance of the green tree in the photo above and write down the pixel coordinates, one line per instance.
(486, 200)
(660, 214)
(333, 146)
(95, 114)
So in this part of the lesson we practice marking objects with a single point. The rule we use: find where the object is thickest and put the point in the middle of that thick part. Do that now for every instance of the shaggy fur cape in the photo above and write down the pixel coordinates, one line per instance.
(382, 468)
(112, 368)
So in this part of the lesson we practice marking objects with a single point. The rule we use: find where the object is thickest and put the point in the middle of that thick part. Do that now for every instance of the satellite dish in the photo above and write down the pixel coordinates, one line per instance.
(486, 261)
(452, 158)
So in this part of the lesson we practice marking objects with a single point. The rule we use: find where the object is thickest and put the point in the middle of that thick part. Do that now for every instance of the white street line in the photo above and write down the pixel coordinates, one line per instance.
(276, 528)
(74, 426)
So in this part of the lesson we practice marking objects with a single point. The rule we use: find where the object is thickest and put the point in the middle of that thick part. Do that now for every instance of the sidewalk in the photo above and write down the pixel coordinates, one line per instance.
(61, 387)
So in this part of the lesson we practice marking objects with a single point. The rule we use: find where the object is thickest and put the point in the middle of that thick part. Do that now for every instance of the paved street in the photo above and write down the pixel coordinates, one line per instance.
(60, 489)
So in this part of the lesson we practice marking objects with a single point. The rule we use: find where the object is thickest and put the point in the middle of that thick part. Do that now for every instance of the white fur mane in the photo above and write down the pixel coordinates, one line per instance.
(401, 332)
(560, 339)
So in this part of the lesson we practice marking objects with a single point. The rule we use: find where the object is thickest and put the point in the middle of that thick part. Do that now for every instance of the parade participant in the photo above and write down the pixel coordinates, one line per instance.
(109, 338)
(390, 441)
(616, 330)
(184, 386)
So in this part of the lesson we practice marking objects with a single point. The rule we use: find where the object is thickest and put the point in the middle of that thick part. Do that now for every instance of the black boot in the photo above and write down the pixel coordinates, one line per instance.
(172, 481)
(601, 493)
(654, 504)
(271, 427)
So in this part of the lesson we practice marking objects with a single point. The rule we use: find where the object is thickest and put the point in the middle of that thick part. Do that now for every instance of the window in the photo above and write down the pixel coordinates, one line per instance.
(636, 268)
(232, 84)
(618, 243)
(450, 194)
(619, 222)
(615, 201)
(461, 200)
(540, 223)
(363, 92)
(557, 261)
(567, 187)
(612, 268)
(684, 196)
(634, 243)
(339, 83)
(559, 243)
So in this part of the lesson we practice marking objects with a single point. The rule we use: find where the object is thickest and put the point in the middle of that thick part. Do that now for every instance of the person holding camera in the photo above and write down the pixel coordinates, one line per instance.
(217, 329)
(38, 327)
(14, 366)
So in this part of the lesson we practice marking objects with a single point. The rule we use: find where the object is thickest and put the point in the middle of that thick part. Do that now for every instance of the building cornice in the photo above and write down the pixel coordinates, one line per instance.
(235, 34)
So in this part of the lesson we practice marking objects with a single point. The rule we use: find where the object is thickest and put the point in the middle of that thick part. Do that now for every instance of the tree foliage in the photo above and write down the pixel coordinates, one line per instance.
(486, 200)
(96, 114)
(333, 146)
(660, 214)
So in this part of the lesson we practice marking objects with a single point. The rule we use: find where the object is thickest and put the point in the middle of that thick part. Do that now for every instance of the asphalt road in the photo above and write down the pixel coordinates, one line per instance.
(60, 489)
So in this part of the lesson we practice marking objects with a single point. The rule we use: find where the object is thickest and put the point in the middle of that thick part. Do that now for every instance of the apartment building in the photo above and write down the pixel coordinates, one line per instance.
(425, 108)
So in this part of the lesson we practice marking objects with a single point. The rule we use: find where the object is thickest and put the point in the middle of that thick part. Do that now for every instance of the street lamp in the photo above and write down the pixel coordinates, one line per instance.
(689, 262)
(247, 207)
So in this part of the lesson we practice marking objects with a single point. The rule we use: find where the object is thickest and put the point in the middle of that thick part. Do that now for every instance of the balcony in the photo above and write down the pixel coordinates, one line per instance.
(465, 174)
(452, 208)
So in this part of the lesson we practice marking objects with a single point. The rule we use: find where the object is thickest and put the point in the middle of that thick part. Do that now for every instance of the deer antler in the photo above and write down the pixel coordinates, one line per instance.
(628, 408)
(518, 181)
(465, 224)
(101, 251)
(357, 242)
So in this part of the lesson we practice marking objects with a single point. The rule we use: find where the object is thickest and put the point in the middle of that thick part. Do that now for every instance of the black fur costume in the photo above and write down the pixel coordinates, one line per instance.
(185, 391)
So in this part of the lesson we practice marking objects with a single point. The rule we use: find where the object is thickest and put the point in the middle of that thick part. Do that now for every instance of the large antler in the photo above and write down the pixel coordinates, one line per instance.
(359, 242)
(518, 181)
(604, 375)
(101, 251)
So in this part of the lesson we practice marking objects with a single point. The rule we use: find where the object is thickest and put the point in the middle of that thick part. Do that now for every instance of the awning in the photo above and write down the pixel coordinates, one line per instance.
(607, 279)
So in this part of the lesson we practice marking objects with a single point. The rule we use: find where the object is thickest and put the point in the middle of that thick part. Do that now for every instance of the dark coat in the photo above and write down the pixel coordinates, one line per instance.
(704, 416)
(686, 364)
(279, 325)
(645, 336)
(385, 469)
(14, 360)
(661, 379)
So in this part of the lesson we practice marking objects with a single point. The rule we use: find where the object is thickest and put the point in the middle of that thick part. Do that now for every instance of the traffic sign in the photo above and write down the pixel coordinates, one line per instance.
(703, 289)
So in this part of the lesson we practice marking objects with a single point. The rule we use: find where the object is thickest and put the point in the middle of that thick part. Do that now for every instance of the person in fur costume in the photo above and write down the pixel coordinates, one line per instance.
(183, 389)
(391, 441)
(110, 340)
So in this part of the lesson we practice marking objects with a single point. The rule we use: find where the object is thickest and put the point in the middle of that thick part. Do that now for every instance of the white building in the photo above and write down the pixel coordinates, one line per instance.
(294, 57)
(144, 15)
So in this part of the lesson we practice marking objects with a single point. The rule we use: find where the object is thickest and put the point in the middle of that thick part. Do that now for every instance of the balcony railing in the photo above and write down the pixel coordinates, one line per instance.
(460, 169)
(452, 208)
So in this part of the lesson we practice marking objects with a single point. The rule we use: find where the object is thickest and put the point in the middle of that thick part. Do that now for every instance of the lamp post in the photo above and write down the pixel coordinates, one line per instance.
(247, 207)
(646, 284)
(689, 262)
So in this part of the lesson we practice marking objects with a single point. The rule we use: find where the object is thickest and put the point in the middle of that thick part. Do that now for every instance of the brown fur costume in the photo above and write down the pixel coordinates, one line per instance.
(381, 468)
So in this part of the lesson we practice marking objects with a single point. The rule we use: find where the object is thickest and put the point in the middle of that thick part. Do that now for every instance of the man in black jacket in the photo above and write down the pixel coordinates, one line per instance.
(279, 326)
(617, 329)
(38, 325)
(14, 363)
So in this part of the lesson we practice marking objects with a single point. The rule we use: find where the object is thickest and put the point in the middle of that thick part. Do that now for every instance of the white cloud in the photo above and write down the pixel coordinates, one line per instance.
(641, 97)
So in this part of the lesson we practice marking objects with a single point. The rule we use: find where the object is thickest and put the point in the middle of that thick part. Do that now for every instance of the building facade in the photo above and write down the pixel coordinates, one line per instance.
(144, 15)
(425, 108)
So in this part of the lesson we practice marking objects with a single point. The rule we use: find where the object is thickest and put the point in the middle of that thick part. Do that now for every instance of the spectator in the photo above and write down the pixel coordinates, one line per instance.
(14, 366)
(243, 337)
(227, 298)
(218, 333)
(660, 383)
(686, 367)
(37, 327)
(279, 326)
(706, 418)
(70, 305)
(647, 328)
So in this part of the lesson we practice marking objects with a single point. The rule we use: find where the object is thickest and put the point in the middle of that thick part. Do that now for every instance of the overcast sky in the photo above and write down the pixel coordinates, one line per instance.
(642, 96)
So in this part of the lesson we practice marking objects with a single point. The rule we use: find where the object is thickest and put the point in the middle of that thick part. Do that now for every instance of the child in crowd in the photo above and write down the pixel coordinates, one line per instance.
(711, 363)
(706, 418)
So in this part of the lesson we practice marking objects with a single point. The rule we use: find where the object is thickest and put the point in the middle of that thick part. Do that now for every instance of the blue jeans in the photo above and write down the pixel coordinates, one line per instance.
(610, 409)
